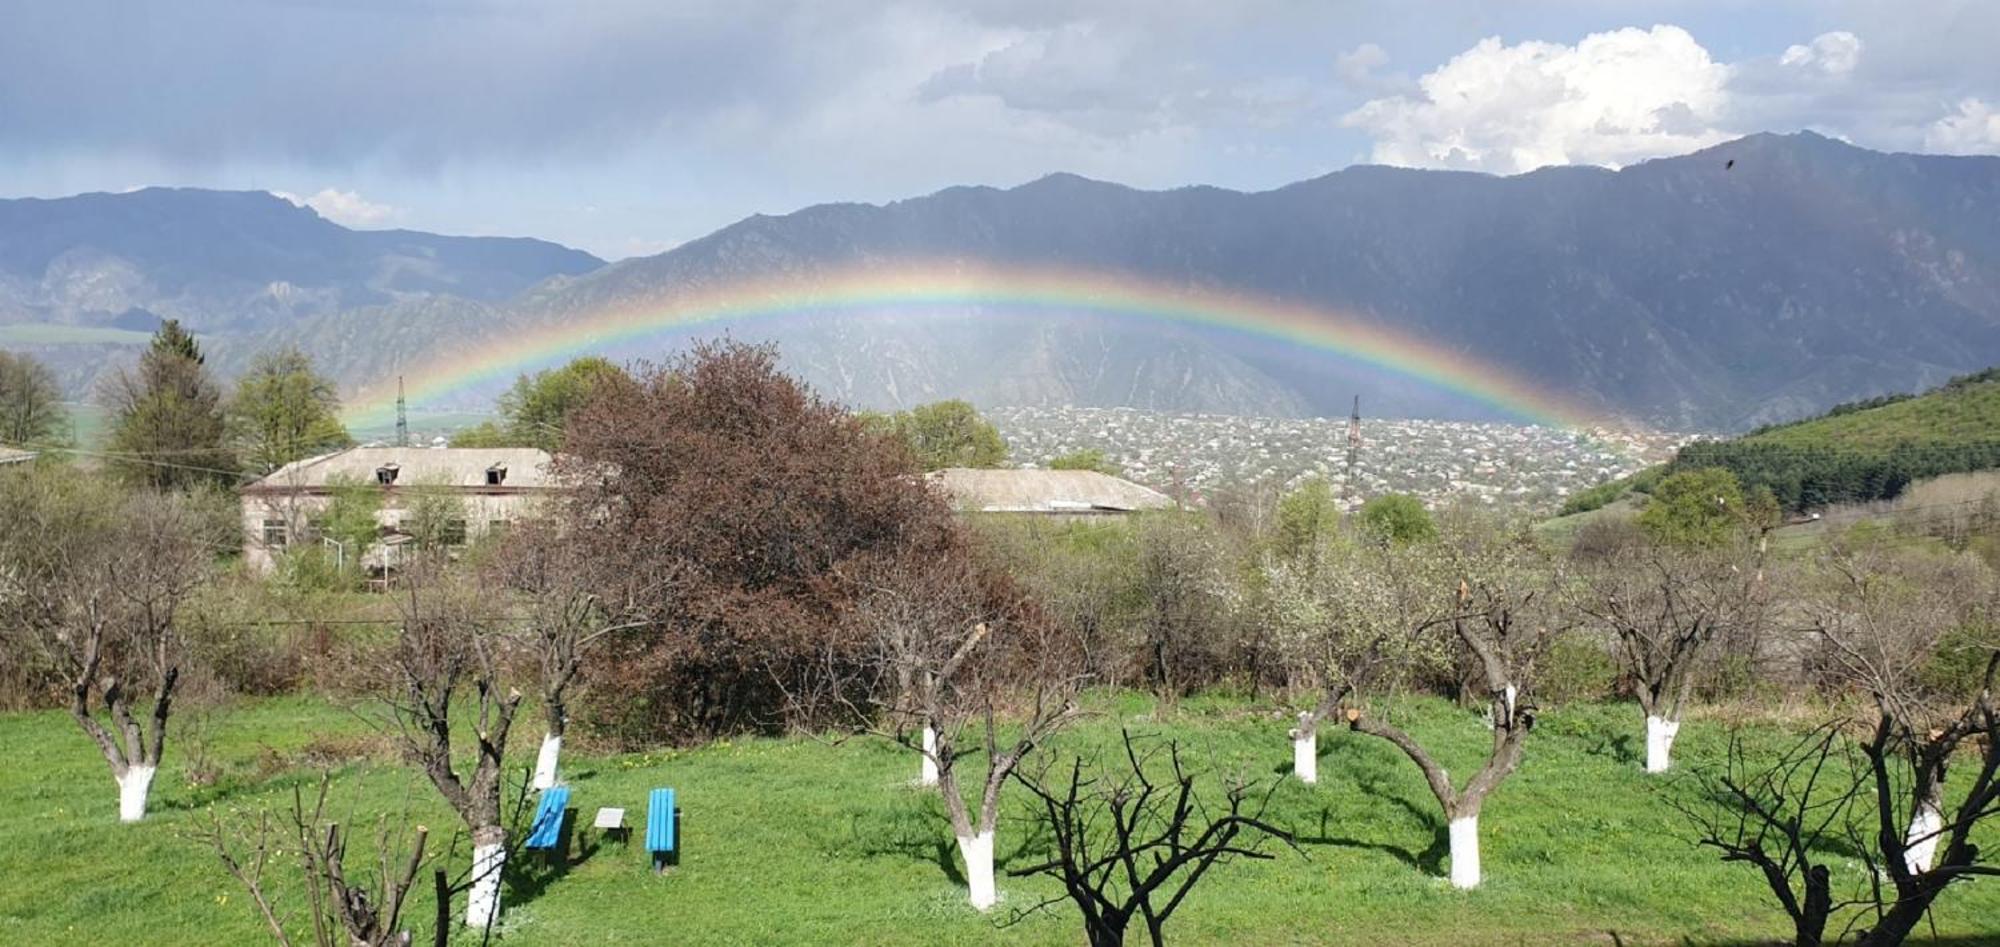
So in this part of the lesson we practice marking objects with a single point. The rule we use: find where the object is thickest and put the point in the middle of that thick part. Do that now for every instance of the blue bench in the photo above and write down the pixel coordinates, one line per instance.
(547, 828)
(662, 825)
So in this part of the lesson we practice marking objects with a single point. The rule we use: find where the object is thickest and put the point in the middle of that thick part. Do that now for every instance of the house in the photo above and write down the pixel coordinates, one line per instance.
(1045, 492)
(9, 455)
(492, 486)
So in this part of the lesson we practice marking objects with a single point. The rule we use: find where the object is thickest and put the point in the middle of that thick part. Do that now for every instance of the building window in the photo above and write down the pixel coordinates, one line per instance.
(496, 475)
(386, 474)
(453, 532)
(276, 533)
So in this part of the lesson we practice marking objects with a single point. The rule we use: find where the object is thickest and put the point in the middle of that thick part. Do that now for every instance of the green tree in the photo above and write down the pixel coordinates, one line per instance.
(1090, 458)
(1307, 516)
(1398, 518)
(483, 434)
(167, 425)
(30, 411)
(284, 410)
(950, 434)
(1699, 508)
(537, 409)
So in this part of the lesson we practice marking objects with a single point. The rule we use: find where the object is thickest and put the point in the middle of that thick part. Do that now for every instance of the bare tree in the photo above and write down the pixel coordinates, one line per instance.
(443, 648)
(1501, 620)
(104, 575)
(1162, 840)
(357, 912)
(1668, 607)
(1884, 616)
(1780, 819)
(567, 611)
(961, 654)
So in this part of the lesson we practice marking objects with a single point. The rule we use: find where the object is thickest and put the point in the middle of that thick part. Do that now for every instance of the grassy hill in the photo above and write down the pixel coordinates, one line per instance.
(1856, 453)
(1963, 411)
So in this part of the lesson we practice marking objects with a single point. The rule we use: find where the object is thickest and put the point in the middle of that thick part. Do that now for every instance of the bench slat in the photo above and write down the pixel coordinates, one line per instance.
(660, 821)
(549, 818)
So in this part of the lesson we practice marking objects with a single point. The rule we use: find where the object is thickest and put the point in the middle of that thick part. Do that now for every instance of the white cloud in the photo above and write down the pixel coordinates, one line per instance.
(348, 208)
(1834, 53)
(1973, 129)
(1611, 99)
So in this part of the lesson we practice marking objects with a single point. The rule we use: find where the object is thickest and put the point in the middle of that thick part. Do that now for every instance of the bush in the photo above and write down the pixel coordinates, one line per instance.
(1577, 667)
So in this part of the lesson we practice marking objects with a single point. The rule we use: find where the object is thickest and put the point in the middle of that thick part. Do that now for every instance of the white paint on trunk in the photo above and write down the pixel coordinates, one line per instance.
(1510, 701)
(1305, 752)
(1660, 733)
(929, 776)
(545, 761)
(482, 902)
(1465, 852)
(132, 790)
(977, 851)
(1926, 826)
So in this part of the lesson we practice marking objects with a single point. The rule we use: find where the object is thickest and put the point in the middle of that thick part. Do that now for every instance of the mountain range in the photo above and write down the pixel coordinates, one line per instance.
(1757, 281)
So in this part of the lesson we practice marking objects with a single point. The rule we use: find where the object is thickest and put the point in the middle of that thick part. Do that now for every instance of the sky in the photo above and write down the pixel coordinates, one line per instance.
(625, 127)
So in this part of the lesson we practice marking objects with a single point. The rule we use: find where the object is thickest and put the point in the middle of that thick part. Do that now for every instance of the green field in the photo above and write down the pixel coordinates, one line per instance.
(804, 841)
(37, 333)
(1966, 411)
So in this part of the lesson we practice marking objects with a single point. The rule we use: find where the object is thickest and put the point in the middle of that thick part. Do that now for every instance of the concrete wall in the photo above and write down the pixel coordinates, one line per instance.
(297, 511)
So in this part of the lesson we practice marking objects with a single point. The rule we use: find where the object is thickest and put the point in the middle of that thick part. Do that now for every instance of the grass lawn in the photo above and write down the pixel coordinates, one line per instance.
(797, 841)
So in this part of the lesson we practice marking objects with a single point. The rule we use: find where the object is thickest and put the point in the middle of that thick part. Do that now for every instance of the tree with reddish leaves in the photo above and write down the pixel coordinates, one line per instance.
(739, 508)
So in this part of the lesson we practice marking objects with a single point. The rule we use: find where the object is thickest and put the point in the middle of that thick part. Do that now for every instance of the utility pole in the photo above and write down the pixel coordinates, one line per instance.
(403, 417)
(1353, 448)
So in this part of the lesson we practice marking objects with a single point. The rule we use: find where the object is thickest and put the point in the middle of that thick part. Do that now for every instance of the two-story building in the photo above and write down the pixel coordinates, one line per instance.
(491, 486)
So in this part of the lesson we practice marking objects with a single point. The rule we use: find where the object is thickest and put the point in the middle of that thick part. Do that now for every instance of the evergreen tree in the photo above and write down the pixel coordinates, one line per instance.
(283, 410)
(167, 423)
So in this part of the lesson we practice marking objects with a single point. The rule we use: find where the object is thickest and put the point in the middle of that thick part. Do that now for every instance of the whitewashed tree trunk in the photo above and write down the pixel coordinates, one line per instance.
(1926, 825)
(1465, 852)
(545, 761)
(132, 790)
(1305, 750)
(482, 902)
(929, 774)
(1660, 733)
(977, 850)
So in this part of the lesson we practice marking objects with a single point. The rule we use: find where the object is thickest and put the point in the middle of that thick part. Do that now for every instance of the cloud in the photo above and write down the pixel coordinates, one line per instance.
(346, 208)
(1973, 129)
(1611, 99)
(1834, 53)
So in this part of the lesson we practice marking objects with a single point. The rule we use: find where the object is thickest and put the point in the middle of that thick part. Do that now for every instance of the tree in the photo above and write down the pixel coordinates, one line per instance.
(1398, 518)
(1187, 603)
(958, 648)
(346, 910)
(1882, 615)
(483, 434)
(30, 408)
(444, 645)
(1501, 617)
(547, 565)
(745, 508)
(1667, 607)
(1702, 508)
(1089, 458)
(1162, 840)
(950, 434)
(1308, 517)
(283, 410)
(167, 428)
(1355, 618)
(100, 578)
(538, 408)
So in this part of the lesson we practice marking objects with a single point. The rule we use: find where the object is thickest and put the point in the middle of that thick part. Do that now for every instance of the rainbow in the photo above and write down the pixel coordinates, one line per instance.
(918, 287)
